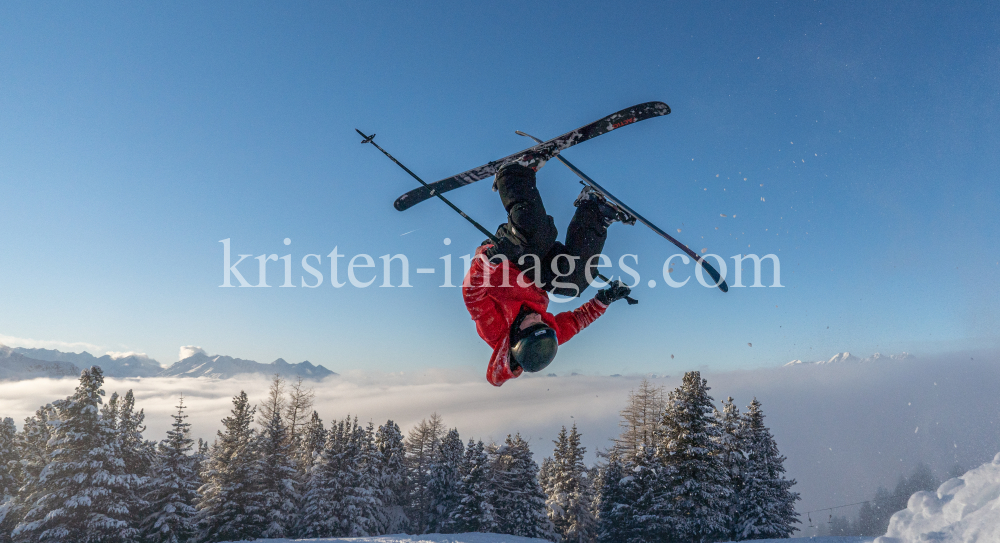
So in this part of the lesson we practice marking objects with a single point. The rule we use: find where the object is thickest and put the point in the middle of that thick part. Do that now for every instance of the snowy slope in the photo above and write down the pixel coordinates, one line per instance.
(965, 509)
(500, 538)
(428, 538)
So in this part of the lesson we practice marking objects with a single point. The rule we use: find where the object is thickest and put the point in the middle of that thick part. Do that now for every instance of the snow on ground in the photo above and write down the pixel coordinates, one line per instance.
(500, 538)
(428, 538)
(965, 509)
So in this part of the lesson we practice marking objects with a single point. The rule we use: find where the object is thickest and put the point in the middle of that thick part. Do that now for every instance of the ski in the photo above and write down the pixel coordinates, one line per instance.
(549, 149)
(719, 281)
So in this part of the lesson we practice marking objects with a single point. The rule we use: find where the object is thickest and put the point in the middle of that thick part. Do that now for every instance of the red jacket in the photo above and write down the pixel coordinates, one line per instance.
(494, 307)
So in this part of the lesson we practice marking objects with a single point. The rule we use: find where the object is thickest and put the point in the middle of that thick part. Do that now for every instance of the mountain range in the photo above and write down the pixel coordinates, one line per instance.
(21, 363)
(846, 357)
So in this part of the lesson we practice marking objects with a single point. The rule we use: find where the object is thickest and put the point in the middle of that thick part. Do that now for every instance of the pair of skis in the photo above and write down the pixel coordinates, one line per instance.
(549, 149)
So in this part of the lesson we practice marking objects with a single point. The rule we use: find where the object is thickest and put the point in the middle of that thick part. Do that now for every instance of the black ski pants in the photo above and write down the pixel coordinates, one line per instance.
(533, 232)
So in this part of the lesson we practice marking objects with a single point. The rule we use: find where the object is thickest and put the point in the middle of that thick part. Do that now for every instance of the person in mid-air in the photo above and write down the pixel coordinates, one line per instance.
(506, 288)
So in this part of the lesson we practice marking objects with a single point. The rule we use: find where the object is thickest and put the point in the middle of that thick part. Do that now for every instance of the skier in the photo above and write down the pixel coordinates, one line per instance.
(506, 288)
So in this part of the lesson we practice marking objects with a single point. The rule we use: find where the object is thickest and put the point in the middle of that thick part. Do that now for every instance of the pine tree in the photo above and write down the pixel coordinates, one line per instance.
(422, 444)
(275, 477)
(767, 506)
(568, 490)
(362, 502)
(230, 508)
(328, 483)
(31, 444)
(613, 511)
(474, 512)
(518, 499)
(696, 495)
(86, 488)
(8, 477)
(444, 482)
(310, 445)
(392, 479)
(734, 461)
(137, 453)
(173, 487)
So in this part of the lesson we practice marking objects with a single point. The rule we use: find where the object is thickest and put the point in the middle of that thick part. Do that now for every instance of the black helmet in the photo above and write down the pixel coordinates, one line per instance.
(534, 347)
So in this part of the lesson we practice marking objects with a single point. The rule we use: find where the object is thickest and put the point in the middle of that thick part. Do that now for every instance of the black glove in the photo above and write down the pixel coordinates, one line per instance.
(616, 291)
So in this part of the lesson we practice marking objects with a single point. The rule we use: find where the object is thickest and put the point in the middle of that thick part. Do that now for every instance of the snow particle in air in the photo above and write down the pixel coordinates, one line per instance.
(722, 214)
(678, 230)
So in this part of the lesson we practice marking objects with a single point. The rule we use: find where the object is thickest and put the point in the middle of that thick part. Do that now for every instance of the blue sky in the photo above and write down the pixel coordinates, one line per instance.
(134, 137)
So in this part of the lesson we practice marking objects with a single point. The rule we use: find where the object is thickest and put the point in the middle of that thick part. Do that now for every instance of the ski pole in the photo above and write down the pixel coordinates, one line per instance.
(490, 236)
(370, 139)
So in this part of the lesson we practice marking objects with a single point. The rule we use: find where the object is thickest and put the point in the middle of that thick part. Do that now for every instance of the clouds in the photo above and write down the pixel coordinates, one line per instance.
(28, 343)
(189, 351)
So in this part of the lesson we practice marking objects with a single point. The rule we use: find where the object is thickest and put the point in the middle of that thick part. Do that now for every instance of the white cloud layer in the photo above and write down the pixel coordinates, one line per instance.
(846, 429)
(188, 351)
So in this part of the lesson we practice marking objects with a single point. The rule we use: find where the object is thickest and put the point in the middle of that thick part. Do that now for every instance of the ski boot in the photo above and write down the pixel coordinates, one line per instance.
(610, 211)
(532, 159)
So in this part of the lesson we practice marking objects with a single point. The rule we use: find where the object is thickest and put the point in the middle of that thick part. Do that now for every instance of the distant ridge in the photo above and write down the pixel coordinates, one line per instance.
(14, 366)
(113, 364)
(19, 363)
(200, 364)
(846, 357)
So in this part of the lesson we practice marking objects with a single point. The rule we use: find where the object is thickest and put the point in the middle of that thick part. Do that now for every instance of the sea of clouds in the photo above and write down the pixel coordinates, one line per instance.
(845, 428)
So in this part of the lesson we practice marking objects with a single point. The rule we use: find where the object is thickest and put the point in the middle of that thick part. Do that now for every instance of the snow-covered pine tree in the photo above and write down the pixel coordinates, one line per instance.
(362, 502)
(612, 511)
(518, 499)
(85, 489)
(641, 418)
(393, 489)
(329, 478)
(137, 453)
(230, 508)
(8, 477)
(31, 444)
(767, 506)
(173, 487)
(421, 449)
(474, 512)
(310, 445)
(734, 461)
(567, 489)
(640, 493)
(696, 495)
(275, 477)
(444, 484)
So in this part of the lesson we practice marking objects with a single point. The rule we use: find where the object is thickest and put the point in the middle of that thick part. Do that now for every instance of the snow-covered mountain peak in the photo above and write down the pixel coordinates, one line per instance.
(200, 364)
(846, 357)
(842, 357)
